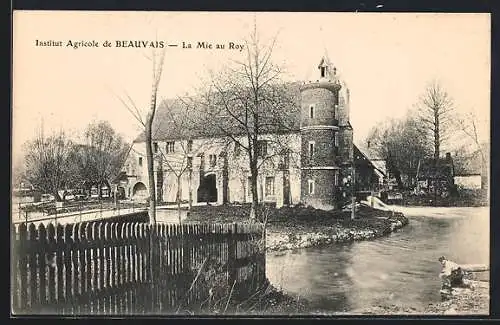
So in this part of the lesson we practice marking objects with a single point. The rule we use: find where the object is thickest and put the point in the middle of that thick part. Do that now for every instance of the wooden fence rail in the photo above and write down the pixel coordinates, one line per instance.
(129, 268)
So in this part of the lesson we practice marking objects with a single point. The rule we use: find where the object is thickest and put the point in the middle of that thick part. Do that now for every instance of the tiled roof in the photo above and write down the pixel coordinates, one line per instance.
(470, 165)
(185, 118)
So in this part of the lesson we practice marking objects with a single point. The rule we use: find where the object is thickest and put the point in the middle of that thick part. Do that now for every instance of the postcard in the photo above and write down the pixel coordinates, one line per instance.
(250, 163)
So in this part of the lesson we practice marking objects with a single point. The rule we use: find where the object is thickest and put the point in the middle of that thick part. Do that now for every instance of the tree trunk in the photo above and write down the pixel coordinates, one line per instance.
(253, 181)
(57, 197)
(436, 134)
(190, 203)
(178, 198)
(151, 176)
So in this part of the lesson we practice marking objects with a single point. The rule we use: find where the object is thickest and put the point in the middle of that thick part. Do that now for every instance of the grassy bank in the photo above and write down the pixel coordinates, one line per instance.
(300, 227)
(267, 300)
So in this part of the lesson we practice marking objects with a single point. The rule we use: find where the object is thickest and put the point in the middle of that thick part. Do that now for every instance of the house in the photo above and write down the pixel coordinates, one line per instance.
(305, 163)
(377, 164)
(470, 171)
(435, 176)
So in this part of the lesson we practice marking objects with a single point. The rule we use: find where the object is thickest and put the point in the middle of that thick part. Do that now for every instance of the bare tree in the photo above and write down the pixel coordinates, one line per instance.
(248, 101)
(435, 108)
(47, 163)
(157, 59)
(401, 143)
(468, 125)
(101, 157)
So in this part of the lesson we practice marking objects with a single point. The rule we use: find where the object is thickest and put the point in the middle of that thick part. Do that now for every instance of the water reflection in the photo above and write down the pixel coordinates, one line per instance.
(399, 269)
(318, 274)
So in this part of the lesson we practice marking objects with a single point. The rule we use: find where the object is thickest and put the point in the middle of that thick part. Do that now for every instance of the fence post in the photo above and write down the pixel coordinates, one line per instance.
(232, 245)
(42, 261)
(59, 248)
(51, 263)
(20, 253)
(68, 266)
(186, 259)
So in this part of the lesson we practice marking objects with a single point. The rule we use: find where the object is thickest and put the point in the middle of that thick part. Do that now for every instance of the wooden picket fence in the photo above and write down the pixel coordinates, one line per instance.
(129, 268)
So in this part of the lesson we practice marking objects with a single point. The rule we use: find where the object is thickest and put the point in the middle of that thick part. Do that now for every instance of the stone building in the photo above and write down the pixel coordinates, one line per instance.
(313, 169)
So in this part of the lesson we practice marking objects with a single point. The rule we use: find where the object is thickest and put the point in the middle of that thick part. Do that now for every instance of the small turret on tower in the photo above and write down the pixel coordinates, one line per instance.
(327, 71)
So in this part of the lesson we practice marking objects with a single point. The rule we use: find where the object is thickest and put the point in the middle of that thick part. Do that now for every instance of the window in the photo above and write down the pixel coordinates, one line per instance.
(212, 160)
(269, 186)
(311, 149)
(336, 139)
(190, 162)
(190, 146)
(336, 178)
(261, 148)
(155, 147)
(170, 147)
(140, 161)
(202, 160)
(322, 72)
(310, 186)
(311, 111)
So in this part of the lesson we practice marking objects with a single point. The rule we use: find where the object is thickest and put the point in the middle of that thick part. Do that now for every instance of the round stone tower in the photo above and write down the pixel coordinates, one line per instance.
(319, 129)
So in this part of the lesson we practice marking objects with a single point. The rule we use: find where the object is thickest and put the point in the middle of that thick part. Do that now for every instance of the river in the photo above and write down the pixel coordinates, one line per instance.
(399, 269)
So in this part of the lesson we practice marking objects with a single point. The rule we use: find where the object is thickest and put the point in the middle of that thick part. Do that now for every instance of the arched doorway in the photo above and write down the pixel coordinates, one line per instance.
(139, 191)
(207, 192)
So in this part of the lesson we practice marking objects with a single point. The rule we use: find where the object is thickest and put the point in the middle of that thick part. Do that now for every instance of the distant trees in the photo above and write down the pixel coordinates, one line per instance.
(402, 144)
(56, 162)
(420, 134)
(47, 163)
(101, 156)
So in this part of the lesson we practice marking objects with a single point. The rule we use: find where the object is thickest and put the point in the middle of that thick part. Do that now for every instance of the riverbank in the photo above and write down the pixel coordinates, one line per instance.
(273, 301)
(301, 227)
(464, 301)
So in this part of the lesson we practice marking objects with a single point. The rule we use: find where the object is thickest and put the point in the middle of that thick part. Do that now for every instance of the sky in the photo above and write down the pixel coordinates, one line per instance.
(386, 59)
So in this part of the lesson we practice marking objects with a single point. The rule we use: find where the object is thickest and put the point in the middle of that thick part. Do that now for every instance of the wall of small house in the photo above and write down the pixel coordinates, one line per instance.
(468, 182)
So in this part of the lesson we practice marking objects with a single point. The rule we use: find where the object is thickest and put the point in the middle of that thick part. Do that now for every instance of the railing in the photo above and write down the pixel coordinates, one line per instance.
(48, 210)
(129, 268)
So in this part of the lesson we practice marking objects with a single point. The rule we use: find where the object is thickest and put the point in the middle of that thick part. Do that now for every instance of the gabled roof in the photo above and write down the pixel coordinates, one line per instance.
(370, 152)
(471, 165)
(186, 118)
(428, 168)
(378, 166)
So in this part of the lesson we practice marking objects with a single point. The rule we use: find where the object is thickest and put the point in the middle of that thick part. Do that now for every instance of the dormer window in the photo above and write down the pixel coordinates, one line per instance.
(311, 111)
